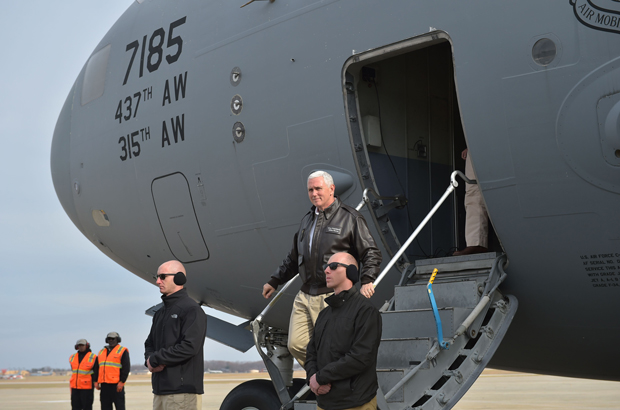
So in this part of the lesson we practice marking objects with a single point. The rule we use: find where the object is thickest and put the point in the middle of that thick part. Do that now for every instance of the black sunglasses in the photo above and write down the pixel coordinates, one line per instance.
(162, 276)
(334, 265)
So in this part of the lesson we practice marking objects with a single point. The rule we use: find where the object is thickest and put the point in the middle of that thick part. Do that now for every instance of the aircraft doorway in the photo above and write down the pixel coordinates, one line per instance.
(408, 137)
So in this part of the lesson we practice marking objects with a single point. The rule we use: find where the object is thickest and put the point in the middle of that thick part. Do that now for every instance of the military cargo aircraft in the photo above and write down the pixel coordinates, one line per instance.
(191, 130)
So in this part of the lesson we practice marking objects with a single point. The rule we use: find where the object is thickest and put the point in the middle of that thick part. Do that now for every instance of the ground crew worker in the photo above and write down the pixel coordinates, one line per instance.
(114, 367)
(84, 370)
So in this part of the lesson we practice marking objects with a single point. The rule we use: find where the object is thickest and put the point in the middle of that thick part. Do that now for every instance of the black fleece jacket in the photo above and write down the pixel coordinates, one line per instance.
(343, 350)
(177, 339)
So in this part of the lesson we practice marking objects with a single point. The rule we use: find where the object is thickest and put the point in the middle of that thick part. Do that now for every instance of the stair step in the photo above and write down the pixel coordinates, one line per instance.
(388, 379)
(463, 294)
(456, 263)
(305, 405)
(402, 353)
(405, 324)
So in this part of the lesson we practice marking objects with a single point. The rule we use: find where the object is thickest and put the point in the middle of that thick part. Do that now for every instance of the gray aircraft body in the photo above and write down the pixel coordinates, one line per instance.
(192, 128)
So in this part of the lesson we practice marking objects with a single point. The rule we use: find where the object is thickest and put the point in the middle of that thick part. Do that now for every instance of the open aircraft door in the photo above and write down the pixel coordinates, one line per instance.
(442, 326)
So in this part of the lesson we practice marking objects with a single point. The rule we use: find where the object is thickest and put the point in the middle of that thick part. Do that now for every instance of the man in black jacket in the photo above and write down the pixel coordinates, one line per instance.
(329, 227)
(173, 350)
(341, 358)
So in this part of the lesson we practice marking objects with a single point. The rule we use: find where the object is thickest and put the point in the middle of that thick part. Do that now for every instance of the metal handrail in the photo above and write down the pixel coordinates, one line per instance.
(449, 190)
(366, 199)
(275, 299)
(257, 331)
(498, 270)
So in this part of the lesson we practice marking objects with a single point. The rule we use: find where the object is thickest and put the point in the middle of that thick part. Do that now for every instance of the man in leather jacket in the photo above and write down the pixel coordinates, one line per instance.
(328, 228)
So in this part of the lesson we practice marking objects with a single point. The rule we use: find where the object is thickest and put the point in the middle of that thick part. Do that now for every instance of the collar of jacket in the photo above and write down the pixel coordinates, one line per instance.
(109, 349)
(331, 210)
(337, 300)
(172, 298)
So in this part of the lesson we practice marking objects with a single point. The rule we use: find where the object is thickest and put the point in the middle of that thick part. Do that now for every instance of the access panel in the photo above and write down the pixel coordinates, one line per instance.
(177, 217)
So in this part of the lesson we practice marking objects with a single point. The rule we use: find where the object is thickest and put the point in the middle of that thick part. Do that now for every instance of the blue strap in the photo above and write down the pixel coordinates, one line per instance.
(429, 287)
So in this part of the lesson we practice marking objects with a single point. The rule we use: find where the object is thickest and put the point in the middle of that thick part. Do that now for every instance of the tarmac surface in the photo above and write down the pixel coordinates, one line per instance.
(493, 390)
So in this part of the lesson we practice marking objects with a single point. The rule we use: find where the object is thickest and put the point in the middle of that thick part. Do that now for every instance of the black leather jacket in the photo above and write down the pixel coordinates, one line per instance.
(339, 228)
(343, 350)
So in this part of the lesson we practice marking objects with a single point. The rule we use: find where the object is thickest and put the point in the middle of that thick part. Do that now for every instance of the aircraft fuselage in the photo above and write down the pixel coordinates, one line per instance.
(190, 133)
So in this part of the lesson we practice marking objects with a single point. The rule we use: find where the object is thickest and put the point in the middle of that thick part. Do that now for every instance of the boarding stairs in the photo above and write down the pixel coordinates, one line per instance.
(431, 355)
(440, 329)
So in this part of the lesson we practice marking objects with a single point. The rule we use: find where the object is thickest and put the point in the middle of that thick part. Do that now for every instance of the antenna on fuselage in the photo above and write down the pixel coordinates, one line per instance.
(252, 1)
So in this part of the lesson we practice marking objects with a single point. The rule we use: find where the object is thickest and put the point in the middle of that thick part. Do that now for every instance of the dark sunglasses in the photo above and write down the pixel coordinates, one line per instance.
(334, 265)
(162, 276)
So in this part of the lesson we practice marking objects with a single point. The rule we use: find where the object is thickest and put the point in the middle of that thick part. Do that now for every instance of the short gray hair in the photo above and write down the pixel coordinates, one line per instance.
(326, 177)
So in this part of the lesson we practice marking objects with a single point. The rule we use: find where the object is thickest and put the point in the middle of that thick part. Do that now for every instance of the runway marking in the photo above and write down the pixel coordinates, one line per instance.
(511, 375)
(128, 381)
(20, 383)
(499, 404)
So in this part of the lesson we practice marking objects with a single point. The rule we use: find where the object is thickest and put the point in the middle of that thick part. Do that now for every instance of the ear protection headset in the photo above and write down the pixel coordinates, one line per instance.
(180, 279)
(352, 274)
(113, 334)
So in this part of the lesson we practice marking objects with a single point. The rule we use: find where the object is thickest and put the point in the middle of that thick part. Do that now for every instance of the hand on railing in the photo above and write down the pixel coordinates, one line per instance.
(268, 290)
(274, 300)
(368, 290)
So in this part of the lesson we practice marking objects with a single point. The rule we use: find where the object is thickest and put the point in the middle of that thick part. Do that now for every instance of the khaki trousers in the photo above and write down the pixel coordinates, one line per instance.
(476, 219)
(371, 405)
(181, 401)
(306, 309)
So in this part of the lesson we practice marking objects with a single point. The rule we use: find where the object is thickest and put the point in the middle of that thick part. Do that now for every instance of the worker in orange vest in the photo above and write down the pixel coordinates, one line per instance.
(113, 371)
(84, 371)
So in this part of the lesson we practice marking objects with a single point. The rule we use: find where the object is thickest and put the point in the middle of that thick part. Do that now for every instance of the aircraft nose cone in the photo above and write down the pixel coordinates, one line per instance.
(60, 161)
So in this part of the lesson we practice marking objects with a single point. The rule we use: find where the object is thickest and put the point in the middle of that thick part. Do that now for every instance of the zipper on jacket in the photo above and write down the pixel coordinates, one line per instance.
(315, 241)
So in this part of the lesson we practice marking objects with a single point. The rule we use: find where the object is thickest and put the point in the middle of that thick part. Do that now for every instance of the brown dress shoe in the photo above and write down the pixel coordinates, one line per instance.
(471, 250)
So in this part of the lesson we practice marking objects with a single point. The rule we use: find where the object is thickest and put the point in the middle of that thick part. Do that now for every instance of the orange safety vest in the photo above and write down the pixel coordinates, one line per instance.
(82, 372)
(110, 366)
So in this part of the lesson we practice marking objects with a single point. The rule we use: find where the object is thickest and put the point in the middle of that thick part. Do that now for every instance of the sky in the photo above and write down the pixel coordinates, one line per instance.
(56, 286)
